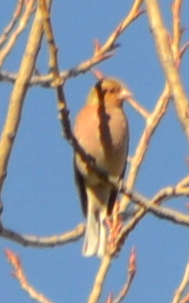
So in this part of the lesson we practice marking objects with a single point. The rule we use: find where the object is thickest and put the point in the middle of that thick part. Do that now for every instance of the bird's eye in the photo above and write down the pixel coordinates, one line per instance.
(112, 90)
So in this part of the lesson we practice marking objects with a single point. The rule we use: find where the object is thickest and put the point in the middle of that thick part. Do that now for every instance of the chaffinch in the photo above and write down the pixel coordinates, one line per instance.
(101, 129)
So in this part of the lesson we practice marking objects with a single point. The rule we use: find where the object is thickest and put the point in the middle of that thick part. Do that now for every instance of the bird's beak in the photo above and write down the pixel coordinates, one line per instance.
(125, 94)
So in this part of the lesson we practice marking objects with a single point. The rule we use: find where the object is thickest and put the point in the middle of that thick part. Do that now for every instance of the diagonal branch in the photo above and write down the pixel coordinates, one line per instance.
(13, 38)
(100, 54)
(168, 64)
(18, 96)
(132, 16)
(10, 26)
(152, 123)
(19, 274)
(182, 287)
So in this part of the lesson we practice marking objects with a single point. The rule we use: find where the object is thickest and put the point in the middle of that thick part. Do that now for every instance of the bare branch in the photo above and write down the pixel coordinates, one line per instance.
(151, 206)
(10, 26)
(6, 76)
(184, 49)
(168, 64)
(132, 16)
(18, 95)
(19, 274)
(182, 287)
(146, 204)
(58, 84)
(176, 9)
(130, 276)
(22, 24)
(44, 242)
(138, 107)
(184, 182)
(162, 212)
(101, 53)
(100, 279)
(152, 122)
(170, 192)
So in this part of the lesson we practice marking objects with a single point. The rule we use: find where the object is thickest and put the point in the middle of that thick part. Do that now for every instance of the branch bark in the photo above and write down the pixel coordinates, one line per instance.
(18, 95)
(166, 57)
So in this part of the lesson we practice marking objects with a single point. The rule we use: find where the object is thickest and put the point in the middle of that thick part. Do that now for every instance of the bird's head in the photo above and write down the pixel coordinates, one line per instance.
(110, 91)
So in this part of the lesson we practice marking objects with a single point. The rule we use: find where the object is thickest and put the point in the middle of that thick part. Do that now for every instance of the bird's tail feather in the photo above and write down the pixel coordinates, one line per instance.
(91, 235)
(102, 236)
(96, 232)
(95, 235)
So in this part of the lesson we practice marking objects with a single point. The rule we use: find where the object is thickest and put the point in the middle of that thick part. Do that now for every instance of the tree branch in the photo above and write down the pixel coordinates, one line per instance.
(168, 63)
(19, 274)
(14, 20)
(13, 38)
(130, 276)
(18, 95)
(182, 287)
(44, 242)
(100, 279)
(100, 54)
(152, 122)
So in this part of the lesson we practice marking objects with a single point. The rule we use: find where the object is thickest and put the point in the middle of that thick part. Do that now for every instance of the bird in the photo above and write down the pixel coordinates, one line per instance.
(101, 130)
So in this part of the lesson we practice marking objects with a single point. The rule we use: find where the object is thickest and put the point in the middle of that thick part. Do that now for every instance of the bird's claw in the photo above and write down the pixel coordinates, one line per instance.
(115, 225)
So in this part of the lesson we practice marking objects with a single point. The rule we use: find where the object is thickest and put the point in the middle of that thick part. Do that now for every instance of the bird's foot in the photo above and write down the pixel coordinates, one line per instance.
(115, 225)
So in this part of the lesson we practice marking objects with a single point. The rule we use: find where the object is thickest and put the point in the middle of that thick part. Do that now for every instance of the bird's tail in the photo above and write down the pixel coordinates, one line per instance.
(96, 231)
(95, 235)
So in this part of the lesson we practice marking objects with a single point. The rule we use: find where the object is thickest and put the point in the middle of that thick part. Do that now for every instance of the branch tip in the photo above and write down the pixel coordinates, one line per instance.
(132, 260)
(97, 46)
(97, 73)
(110, 298)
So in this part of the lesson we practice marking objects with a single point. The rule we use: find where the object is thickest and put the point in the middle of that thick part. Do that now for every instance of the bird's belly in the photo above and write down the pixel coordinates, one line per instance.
(109, 160)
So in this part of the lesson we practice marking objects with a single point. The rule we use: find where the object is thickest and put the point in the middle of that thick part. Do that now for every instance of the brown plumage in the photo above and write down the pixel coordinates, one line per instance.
(101, 129)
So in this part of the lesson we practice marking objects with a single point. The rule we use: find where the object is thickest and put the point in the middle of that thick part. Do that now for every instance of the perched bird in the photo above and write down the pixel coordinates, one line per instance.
(101, 129)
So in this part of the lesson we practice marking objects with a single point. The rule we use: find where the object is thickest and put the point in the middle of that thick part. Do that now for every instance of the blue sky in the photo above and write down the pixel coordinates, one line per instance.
(39, 195)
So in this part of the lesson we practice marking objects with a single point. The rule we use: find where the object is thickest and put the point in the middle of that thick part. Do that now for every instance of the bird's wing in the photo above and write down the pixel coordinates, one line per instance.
(114, 193)
(80, 182)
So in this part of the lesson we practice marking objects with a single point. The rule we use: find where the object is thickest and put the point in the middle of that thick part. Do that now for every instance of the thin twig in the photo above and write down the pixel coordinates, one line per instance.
(170, 192)
(14, 20)
(130, 276)
(147, 205)
(22, 25)
(134, 13)
(184, 182)
(138, 107)
(104, 52)
(182, 287)
(19, 274)
(184, 49)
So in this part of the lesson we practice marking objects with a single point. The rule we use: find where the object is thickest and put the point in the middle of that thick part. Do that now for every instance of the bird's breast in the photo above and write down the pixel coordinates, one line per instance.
(103, 135)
